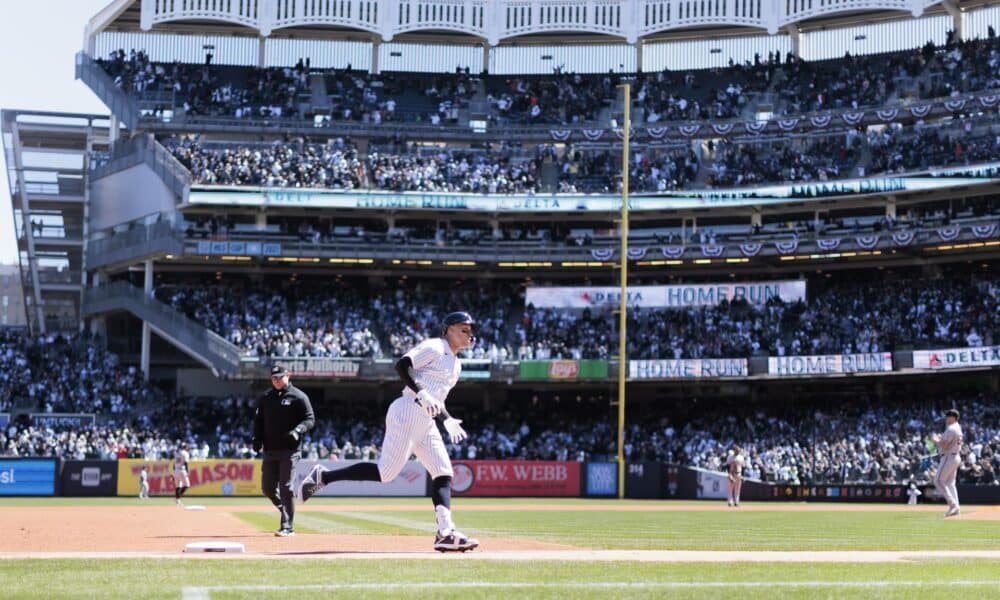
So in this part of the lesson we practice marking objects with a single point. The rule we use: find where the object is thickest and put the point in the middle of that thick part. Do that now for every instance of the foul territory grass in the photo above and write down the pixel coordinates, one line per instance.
(230, 579)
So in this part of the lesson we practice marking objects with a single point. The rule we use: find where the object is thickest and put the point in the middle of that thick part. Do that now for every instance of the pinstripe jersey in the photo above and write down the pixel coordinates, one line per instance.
(435, 368)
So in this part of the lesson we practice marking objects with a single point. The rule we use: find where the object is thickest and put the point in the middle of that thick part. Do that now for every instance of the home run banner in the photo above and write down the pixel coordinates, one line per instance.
(687, 368)
(957, 358)
(212, 477)
(516, 478)
(832, 364)
(666, 296)
(411, 481)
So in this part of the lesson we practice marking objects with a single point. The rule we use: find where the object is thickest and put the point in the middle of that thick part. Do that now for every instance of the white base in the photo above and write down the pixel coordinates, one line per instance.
(214, 546)
(194, 507)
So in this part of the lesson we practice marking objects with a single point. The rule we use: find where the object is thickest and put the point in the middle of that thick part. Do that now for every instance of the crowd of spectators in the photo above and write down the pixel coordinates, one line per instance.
(453, 171)
(204, 90)
(56, 373)
(294, 163)
(562, 98)
(864, 441)
(896, 150)
(808, 160)
(328, 320)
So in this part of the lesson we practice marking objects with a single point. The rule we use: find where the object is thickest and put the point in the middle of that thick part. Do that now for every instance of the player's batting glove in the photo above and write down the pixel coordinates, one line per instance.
(454, 428)
(431, 405)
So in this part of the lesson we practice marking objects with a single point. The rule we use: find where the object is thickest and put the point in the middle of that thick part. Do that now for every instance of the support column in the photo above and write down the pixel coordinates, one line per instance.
(261, 52)
(147, 288)
(638, 57)
(487, 51)
(890, 208)
(796, 36)
(114, 130)
(376, 68)
(261, 221)
(957, 23)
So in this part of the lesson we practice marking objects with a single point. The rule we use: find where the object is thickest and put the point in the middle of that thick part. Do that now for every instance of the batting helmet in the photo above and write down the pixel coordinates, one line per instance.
(457, 318)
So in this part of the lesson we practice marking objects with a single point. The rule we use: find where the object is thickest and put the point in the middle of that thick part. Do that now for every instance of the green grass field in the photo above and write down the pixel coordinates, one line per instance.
(606, 528)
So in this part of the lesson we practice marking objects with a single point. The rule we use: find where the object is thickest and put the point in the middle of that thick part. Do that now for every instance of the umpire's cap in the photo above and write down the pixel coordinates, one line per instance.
(279, 371)
(951, 413)
(458, 318)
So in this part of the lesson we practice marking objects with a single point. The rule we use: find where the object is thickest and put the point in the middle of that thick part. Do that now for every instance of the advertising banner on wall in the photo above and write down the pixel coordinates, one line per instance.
(212, 477)
(688, 368)
(832, 364)
(957, 358)
(28, 476)
(563, 369)
(516, 478)
(411, 481)
(89, 478)
(665, 296)
(602, 479)
(320, 366)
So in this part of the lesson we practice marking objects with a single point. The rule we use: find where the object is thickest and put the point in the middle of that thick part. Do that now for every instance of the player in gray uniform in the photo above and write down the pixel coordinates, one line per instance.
(429, 371)
(734, 464)
(950, 446)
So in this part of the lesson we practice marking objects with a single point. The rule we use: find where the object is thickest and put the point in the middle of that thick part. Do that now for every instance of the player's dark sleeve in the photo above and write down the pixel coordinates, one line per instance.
(404, 367)
(308, 417)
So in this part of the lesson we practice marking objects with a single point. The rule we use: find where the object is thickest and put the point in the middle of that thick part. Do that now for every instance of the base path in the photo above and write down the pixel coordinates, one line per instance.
(159, 529)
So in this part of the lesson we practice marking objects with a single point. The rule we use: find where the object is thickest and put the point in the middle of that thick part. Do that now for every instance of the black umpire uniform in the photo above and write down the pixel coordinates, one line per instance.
(283, 415)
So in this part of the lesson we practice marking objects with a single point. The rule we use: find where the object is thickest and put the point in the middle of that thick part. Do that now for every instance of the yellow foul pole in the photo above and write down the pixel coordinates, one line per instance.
(622, 347)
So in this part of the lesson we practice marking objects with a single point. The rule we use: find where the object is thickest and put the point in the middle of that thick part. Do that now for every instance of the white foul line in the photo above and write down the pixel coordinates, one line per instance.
(203, 592)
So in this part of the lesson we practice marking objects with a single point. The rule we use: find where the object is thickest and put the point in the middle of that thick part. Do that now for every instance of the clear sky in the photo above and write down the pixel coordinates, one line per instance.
(38, 39)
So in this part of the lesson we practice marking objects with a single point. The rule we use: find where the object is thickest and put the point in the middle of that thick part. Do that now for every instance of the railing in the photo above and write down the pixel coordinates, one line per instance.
(134, 245)
(121, 104)
(222, 356)
(144, 149)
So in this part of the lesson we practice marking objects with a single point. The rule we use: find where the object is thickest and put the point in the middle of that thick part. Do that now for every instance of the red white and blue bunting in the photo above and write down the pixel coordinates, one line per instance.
(657, 132)
(788, 124)
(853, 118)
(887, 114)
(673, 252)
(903, 238)
(712, 250)
(820, 121)
(787, 246)
(560, 135)
(990, 100)
(602, 253)
(593, 134)
(688, 130)
(984, 231)
(921, 111)
(750, 248)
(949, 232)
(636, 253)
(867, 241)
(755, 127)
(827, 244)
(620, 132)
(954, 105)
(722, 128)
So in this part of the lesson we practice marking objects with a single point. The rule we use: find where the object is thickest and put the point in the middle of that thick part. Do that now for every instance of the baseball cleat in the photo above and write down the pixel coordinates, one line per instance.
(456, 541)
(953, 512)
(312, 483)
(284, 532)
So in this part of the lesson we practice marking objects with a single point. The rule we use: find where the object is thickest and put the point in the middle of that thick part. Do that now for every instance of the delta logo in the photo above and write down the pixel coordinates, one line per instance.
(935, 360)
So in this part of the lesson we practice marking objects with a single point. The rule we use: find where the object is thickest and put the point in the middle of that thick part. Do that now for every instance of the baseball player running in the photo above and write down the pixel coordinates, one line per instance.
(429, 371)
(949, 445)
(181, 480)
(734, 464)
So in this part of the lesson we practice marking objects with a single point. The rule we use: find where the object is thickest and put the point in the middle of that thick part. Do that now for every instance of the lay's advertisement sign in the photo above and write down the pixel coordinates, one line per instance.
(213, 477)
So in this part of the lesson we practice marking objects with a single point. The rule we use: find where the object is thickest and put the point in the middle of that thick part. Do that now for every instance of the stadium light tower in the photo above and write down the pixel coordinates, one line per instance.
(622, 300)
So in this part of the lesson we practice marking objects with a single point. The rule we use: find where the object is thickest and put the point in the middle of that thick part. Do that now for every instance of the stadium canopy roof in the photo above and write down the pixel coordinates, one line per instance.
(495, 22)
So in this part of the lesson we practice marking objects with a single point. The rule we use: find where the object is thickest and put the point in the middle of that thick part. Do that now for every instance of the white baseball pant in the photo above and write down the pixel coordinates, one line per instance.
(735, 485)
(944, 480)
(408, 431)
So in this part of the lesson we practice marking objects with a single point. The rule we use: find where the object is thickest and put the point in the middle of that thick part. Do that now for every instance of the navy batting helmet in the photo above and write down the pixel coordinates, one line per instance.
(458, 318)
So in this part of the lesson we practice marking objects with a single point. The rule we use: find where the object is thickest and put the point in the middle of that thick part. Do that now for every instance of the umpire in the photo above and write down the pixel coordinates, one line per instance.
(283, 415)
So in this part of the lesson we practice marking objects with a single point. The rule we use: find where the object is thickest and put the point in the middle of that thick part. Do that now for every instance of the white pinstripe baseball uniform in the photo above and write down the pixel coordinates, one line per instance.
(950, 447)
(408, 429)
(734, 464)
